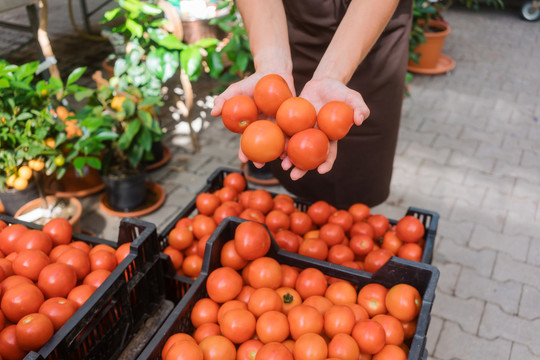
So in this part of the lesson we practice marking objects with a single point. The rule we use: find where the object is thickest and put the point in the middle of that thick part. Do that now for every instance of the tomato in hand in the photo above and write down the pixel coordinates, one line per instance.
(59, 230)
(270, 92)
(33, 331)
(308, 149)
(410, 229)
(238, 112)
(296, 114)
(262, 141)
(335, 119)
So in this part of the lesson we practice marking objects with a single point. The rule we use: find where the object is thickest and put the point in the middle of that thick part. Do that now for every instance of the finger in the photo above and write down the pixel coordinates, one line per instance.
(218, 105)
(258, 165)
(329, 163)
(296, 173)
(243, 158)
(286, 164)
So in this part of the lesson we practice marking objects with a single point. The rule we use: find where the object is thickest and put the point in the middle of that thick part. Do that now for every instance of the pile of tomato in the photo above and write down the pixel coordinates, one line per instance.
(259, 309)
(353, 237)
(45, 276)
(309, 131)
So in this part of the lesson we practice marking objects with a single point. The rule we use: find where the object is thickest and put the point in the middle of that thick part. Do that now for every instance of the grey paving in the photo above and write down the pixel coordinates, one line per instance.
(469, 149)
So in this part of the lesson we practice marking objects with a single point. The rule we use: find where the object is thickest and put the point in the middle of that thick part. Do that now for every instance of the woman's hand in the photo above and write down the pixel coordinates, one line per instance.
(320, 92)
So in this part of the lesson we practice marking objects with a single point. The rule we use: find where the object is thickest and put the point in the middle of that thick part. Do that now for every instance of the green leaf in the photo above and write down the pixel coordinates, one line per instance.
(129, 107)
(171, 64)
(207, 42)
(214, 63)
(135, 155)
(111, 14)
(83, 94)
(127, 137)
(4, 83)
(145, 139)
(60, 172)
(171, 42)
(190, 60)
(151, 9)
(135, 28)
(146, 118)
(75, 75)
(56, 83)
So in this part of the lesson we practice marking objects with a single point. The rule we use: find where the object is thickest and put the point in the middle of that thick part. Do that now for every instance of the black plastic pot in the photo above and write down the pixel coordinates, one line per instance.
(13, 199)
(125, 192)
(157, 152)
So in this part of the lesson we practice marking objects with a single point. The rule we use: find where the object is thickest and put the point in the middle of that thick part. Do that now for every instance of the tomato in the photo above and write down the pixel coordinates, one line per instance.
(230, 257)
(335, 119)
(29, 263)
(270, 92)
(238, 112)
(176, 256)
(262, 141)
(205, 330)
(372, 297)
(101, 247)
(310, 346)
(311, 281)
(264, 272)
(341, 293)
(338, 319)
(390, 352)
(184, 350)
(81, 245)
(12, 281)
(230, 305)
(173, 339)
(304, 319)
(185, 222)
(277, 220)
(235, 180)
(289, 298)
(332, 234)
(288, 275)
(319, 212)
(403, 302)
(79, 294)
(180, 238)
(272, 326)
(9, 347)
(342, 218)
(201, 245)
(21, 300)
(218, 347)
(410, 251)
(245, 293)
(204, 311)
(252, 214)
(34, 239)
(410, 229)
(359, 211)
(296, 114)
(192, 265)
(251, 240)
(222, 212)
(343, 346)
(300, 223)
(261, 200)
(376, 259)
(102, 259)
(223, 284)
(315, 248)
(308, 149)
(362, 228)
(263, 300)
(274, 351)
(226, 193)
(409, 328)
(79, 260)
(369, 336)
(284, 205)
(33, 331)
(59, 230)
(361, 244)
(380, 224)
(359, 312)
(7, 268)
(59, 310)
(2, 225)
(9, 236)
(339, 254)
(392, 328)
(57, 279)
(203, 225)
(391, 242)
(207, 203)
(122, 252)
(287, 240)
(248, 350)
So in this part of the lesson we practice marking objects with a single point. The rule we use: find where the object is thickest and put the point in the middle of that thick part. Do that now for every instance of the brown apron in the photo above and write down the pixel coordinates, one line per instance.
(363, 168)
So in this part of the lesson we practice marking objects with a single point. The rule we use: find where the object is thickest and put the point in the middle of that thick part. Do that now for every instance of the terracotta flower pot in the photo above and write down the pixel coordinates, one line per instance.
(11, 200)
(74, 206)
(431, 51)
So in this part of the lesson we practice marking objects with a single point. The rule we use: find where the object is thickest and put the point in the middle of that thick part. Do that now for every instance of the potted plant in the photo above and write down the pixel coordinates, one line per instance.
(428, 34)
(31, 136)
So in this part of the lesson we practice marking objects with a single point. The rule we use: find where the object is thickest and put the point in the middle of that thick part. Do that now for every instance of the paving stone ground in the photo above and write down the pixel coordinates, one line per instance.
(469, 148)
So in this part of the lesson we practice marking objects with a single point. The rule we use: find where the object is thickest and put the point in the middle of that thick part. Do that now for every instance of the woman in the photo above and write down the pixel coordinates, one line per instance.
(354, 51)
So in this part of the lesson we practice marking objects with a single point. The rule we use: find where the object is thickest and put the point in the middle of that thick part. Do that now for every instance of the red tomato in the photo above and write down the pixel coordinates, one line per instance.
(59, 230)
(392, 327)
(12, 281)
(274, 351)
(252, 214)
(361, 244)
(284, 205)
(236, 181)
(207, 203)
(81, 245)
(248, 350)
(33, 331)
(300, 222)
(218, 347)
(341, 293)
(184, 350)
(176, 256)
(79, 294)
(287, 240)
(376, 259)
(230, 257)
(264, 272)
(304, 319)
(238, 325)
(270, 92)
(204, 311)
(308, 149)
(122, 252)
(391, 242)
(224, 211)
(251, 240)
(340, 254)
(321, 303)
(332, 234)
(310, 282)
(403, 302)
(181, 238)
(410, 229)
(9, 236)
(7, 267)
(410, 251)
(187, 222)
(261, 200)
(262, 141)
(338, 319)
(230, 305)
(29, 263)
(34, 239)
(343, 346)
(380, 224)
(310, 346)
(58, 250)
(390, 352)
(289, 275)
(2, 225)
(172, 340)
(192, 265)
(263, 300)
(223, 284)
(79, 260)
(342, 218)
(289, 298)
(369, 336)
(245, 293)
(102, 259)
(21, 300)
(201, 246)
(277, 220)
(9, 347)
(296, 114)
(206, 330)
(57, 279)
(359, 312)
(319, 212)
(238, 112)
(359, 211)
(96, 278)
(335, 118)
(362, 228)
(313, 247)
(372, 297)
(203, 225)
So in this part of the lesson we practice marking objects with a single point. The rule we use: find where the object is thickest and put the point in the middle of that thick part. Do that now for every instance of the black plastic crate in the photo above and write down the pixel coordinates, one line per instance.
(106, 322)
(429, 219)
(422, 276)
